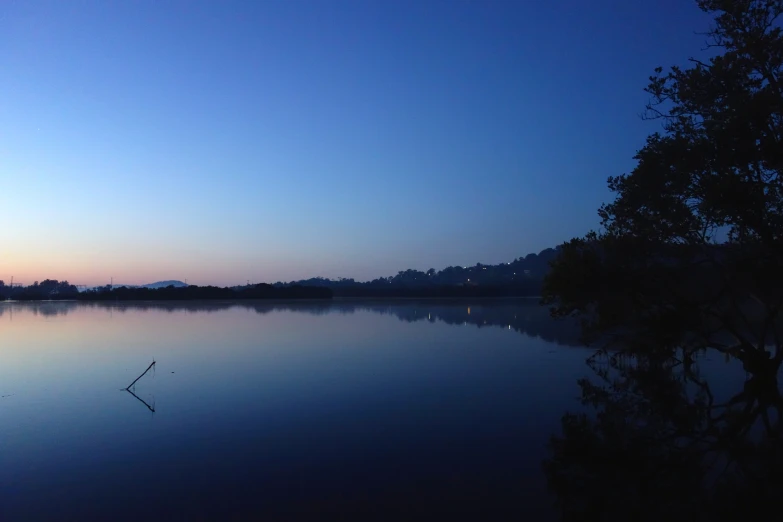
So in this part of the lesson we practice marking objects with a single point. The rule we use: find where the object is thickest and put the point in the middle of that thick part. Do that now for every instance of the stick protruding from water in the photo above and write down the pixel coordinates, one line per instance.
(140, 376)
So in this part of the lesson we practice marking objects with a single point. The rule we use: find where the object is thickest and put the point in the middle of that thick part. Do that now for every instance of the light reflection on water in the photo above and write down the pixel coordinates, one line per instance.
(280, 410)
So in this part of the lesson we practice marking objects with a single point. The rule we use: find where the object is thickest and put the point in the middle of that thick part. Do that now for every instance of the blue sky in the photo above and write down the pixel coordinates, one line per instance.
(273, 140)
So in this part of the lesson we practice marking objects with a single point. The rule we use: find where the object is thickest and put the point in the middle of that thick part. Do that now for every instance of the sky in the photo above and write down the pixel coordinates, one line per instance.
(271, 140)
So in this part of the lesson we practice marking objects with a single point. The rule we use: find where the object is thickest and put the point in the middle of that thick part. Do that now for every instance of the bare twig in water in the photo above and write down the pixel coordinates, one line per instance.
(140, 376)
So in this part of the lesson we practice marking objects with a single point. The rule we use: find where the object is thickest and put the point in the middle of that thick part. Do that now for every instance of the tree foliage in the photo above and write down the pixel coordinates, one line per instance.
(693, 240)
(718, 162)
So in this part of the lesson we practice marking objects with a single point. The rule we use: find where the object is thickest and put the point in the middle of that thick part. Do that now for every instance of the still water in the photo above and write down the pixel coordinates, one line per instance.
(351, 410)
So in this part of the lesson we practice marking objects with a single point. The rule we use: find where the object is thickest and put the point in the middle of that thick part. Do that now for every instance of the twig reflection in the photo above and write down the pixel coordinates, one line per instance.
(151, 408)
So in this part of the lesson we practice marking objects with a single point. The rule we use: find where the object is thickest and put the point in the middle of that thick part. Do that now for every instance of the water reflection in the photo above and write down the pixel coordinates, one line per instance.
(524, 316)
(659, 441)
(366, 408)
(149, 406)
(352, 410)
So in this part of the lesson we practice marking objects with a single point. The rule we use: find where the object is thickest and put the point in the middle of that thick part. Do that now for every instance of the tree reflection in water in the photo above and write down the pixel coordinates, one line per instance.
(655, 444)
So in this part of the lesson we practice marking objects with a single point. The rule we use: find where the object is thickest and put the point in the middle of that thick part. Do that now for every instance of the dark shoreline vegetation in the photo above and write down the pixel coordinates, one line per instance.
(523, 277)
(52, 290)
(200, 293)
(265, 291)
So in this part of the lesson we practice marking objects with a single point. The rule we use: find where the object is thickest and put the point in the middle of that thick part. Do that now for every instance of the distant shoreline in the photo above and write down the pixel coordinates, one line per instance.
(54, 291)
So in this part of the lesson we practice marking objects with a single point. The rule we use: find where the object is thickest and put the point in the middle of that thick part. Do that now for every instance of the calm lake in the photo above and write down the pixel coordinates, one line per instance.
(353, 410)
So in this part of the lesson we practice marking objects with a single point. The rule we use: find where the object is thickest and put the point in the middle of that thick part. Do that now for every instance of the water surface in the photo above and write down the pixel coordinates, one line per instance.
(349, 409)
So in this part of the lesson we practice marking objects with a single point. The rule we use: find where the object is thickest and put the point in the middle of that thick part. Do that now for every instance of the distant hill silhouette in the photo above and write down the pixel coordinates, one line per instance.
(165, 284)
(522, 277)
(157, 284)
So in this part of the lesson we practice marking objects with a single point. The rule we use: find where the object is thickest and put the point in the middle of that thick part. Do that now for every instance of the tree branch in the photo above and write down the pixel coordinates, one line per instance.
(140, 376)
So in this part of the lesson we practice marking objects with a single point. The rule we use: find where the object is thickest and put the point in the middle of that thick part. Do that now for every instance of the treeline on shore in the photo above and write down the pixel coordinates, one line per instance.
(62, 290)
(521, 277)
(51, 289)
(195, 293)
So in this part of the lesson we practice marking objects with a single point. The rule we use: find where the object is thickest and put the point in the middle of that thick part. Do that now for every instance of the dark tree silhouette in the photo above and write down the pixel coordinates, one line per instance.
(691, 246)
(689, 259)
(44, 290)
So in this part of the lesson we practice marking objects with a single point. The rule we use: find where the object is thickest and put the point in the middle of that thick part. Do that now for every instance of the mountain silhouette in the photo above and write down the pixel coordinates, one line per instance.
(164, 284)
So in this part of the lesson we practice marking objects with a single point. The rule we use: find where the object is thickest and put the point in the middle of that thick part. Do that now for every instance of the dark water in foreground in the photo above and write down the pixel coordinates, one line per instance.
(345, 410)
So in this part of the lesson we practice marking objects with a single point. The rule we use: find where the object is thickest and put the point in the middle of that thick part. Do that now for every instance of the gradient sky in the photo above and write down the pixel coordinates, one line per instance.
(275, 140)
